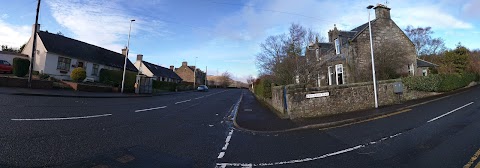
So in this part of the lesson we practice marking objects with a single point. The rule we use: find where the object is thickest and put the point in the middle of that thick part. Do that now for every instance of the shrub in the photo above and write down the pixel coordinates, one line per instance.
(44, 76)
(161, 85)
(263, 88)
(35, 73)
(78, 74)
(439, 82)
(20, 67)
(114, 78)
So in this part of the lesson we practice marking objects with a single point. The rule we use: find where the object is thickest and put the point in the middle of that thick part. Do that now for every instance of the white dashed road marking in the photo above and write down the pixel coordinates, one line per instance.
(56, 119)
(227, 142)
(443, 115)
(155, 108)
(183, 101)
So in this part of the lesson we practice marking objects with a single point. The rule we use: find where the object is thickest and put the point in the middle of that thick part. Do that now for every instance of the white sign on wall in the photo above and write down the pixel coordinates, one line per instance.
(315, 95)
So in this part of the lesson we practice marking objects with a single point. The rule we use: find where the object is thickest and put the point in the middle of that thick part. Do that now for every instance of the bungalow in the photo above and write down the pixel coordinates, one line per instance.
(58, 55)
(158, 73)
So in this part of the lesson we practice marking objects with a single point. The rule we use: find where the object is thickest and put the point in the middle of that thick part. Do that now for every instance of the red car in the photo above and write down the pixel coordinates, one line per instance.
(5, 67)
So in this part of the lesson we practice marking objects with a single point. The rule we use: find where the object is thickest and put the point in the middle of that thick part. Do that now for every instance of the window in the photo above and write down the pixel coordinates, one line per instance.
(95, 69)
(411, 69)
(63, 63)
(425, 72)
(339, 76)
(330, 75)
(337, 46)
(317, 54)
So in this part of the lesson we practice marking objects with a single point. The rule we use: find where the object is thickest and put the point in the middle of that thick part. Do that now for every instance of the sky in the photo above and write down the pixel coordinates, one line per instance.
(223, 35)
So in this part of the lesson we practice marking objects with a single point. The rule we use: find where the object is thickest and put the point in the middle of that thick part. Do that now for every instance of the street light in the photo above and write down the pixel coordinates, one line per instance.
(373, 60)
(126, 57)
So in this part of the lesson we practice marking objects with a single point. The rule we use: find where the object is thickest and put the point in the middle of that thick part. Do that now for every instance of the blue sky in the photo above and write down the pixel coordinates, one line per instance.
(223, 34)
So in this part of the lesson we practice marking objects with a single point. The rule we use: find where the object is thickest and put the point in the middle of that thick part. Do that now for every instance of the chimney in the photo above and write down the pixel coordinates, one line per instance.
(193, 67)
(172, 67)
(140, 57)
(124, 51)
(33, 29)
(184, 63)
(382, 11)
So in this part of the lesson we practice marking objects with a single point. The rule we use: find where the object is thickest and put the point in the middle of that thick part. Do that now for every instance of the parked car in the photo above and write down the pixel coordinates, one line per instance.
(5, 67)
(202, 88)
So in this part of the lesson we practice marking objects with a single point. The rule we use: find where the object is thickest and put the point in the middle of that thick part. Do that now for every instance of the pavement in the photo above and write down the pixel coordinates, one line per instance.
(70, 93)
(256, 116)
(194, 130)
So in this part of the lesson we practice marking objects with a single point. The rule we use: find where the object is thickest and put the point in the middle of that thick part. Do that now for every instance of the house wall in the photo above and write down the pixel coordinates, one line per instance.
(9, 57)
(185, 73)
(39, 62)
(383, 31)
(51, 62)
(144, 69)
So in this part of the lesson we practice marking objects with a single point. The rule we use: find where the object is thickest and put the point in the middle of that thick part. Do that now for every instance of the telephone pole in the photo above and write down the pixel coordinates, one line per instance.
(34, 48)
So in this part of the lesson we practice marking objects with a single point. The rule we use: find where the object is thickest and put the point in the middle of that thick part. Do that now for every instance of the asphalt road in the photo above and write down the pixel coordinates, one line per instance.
(192, 130)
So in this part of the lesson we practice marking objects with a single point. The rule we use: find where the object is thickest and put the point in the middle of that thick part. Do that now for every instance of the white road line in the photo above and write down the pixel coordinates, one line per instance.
(221, 155)
(155, 108)
(183, 101)
(443, 115)
(308, 159)
(199, 97)
(56, 119)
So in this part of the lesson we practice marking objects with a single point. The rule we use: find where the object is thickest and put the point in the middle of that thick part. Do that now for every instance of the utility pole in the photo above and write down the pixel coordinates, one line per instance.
(195, 74)
(34, 48)
(206, 71)
(126, 56)
(375, 93)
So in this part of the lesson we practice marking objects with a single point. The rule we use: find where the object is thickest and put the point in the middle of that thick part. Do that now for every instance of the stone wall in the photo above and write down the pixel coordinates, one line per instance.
(23, 83)
(341, 99)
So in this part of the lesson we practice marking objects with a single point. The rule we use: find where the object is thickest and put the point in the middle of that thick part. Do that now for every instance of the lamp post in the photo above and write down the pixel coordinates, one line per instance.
(126, 56)
(373, 59)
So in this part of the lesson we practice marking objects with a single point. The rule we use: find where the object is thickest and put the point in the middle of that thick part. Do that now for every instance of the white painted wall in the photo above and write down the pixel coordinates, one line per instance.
(9, 57)
(39, 62)
(144, 69)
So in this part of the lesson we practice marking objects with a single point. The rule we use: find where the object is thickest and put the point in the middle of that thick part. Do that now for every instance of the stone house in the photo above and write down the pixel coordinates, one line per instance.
(187, 74)
(346, 58)
(58, 55)
(157, 72)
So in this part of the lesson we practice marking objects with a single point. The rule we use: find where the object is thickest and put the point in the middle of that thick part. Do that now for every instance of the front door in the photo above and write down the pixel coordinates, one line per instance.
(339, 74)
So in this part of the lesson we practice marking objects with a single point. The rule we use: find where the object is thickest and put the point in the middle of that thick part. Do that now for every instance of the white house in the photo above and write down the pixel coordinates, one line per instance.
(158, 73)
(58, 55)
(9, 56)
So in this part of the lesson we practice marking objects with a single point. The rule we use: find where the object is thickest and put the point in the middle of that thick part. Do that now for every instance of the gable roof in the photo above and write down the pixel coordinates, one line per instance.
(361, 28)
(423, 63)
(80, 50)
(161, 71)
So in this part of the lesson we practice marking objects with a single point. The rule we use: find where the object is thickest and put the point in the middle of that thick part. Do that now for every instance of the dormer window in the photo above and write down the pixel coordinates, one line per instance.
(337, 46)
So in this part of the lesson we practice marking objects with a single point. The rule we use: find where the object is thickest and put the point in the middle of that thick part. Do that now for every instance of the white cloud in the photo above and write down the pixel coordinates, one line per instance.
(470, 8)
(258, 18)
(102, 23)
(13, 35)
(4, 16)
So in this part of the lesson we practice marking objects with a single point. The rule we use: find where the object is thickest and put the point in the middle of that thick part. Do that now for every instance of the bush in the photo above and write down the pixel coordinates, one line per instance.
(35, 73)
(44, 76)
(114, 78)
(439, 82)
(160, 85)
(78, 74)
(20, 67)
(263, 88)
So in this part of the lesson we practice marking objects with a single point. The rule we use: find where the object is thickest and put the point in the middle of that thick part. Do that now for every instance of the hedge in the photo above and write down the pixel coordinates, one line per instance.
(21, 67)
(439, 82)
(263, 88)
(114, 78)
(161, 85)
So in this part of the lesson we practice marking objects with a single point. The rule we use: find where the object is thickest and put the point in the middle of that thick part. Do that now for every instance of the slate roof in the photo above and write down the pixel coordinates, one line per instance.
(68, 47)
(161, 71)
(423, 63)
(360, 28)
(13, 53)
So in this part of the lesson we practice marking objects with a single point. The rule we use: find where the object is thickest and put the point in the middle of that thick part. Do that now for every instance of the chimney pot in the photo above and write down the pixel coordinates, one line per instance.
(172, 67)
(184, 63)
(139, 57)
(124, 51)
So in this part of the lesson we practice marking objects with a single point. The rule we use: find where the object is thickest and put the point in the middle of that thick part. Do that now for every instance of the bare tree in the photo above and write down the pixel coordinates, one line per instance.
(282, 56)
(424, 43)
(225, 79)
(391, 61)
